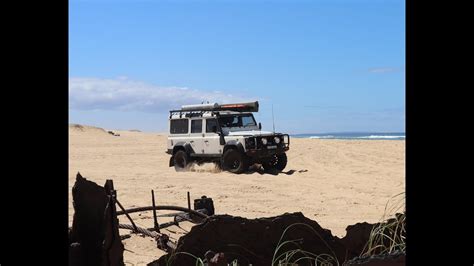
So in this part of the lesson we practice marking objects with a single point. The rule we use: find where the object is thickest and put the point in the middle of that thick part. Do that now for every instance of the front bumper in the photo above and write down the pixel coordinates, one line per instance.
(256, 149)
(265, 153)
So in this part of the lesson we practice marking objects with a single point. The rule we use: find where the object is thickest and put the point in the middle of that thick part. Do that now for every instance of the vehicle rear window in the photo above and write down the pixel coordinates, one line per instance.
(179, 126)
(196, 126)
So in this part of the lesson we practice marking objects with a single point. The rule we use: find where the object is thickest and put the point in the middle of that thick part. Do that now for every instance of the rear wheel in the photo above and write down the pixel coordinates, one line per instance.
(278, 162)
(181, 161)
(234, 161)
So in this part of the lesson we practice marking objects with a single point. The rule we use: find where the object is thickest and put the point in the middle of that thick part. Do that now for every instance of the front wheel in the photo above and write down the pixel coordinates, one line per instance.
(234, 161)
(278, 162)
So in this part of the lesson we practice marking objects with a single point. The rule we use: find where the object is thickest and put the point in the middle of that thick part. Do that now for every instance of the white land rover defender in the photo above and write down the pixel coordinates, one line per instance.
(227, 135)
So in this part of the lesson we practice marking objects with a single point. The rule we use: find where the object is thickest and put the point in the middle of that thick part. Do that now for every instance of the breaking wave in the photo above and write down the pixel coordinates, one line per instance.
(382, 137)
(359, 137)
(322, 137)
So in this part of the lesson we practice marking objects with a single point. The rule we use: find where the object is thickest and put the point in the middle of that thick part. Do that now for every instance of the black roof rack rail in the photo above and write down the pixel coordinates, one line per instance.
(189, 113)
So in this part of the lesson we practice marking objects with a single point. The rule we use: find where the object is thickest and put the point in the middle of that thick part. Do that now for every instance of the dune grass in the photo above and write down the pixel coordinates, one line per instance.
(288, 258)
(389, 236)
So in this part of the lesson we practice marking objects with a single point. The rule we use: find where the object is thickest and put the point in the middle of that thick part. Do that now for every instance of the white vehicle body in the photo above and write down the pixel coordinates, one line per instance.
(206, 132)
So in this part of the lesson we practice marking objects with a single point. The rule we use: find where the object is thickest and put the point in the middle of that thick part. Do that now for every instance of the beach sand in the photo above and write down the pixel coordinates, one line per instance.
(335, 182)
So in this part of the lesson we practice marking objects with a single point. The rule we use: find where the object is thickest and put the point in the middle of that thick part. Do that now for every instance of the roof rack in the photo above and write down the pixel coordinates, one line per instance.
(193, 113)
(199, 109)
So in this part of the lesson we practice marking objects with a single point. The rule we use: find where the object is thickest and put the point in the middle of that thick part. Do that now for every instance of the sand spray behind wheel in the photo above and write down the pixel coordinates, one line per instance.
(205, 167)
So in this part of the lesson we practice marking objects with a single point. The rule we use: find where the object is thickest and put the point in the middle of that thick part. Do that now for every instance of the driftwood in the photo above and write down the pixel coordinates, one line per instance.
(94, 239)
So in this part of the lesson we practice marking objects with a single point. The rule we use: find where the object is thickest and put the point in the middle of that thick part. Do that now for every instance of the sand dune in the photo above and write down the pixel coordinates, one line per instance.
(335, 182)
(81, 129)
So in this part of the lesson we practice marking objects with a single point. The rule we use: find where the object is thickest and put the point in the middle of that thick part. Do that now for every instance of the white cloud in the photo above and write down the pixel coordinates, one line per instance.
(125, 94)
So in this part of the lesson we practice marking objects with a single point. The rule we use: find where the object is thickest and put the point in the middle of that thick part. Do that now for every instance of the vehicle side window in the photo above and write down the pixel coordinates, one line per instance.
(247, 121)
(210, 123)
(179, 126)
(196, 126)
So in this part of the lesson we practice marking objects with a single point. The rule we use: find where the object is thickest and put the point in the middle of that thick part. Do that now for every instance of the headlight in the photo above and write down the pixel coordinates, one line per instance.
(264, 141)
(285, 139)
(277, 140)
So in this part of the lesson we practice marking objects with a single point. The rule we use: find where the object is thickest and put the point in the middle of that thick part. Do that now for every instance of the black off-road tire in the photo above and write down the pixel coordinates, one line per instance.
(278, 162)
(181, 161)
(234, 161)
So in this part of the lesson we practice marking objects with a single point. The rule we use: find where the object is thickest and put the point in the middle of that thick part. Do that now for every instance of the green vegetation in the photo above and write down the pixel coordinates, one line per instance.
(389, 236)
(288, 258)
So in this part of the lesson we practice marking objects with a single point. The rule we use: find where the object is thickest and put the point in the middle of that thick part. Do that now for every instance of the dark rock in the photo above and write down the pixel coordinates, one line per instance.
(356, 238)
(254, 241)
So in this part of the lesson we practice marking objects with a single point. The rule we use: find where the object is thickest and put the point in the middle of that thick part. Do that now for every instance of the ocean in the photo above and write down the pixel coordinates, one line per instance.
(353, 135)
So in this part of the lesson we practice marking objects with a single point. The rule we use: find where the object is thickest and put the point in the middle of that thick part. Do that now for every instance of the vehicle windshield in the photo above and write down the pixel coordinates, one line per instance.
(237, 120)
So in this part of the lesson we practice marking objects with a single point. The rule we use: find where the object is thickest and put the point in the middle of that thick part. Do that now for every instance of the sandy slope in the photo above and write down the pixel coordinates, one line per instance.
(335, 182)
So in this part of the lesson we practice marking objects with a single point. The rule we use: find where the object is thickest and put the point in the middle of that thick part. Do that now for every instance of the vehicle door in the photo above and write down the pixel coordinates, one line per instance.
(211, 138)
(196, 136)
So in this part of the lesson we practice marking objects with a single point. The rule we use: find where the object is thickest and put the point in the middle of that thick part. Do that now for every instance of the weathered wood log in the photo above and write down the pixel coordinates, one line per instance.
(94, 238)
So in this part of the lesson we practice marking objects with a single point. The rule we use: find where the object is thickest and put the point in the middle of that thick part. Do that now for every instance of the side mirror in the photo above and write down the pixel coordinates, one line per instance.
(259, 125)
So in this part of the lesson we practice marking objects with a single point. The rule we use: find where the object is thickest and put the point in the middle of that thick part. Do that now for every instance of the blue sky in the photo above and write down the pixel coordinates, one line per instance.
(325, 66)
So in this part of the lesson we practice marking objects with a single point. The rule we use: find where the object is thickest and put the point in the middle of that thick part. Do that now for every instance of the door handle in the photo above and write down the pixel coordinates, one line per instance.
(206, 141)
(192, 141)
